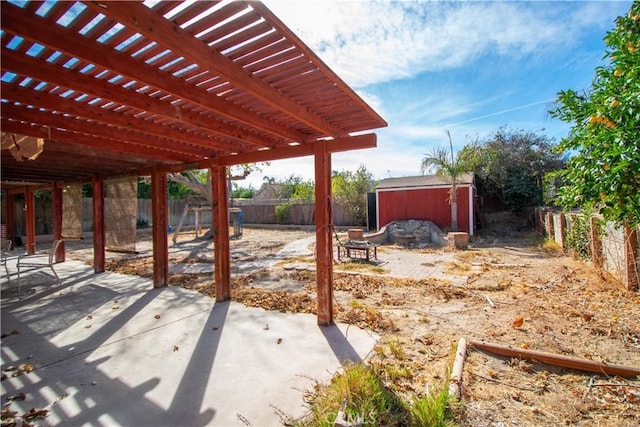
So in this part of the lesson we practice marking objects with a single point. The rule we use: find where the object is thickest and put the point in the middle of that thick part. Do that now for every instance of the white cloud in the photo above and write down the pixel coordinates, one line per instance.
(368, 42)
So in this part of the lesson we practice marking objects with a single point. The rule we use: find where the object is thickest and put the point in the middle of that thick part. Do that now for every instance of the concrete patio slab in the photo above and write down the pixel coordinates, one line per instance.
(108, 349)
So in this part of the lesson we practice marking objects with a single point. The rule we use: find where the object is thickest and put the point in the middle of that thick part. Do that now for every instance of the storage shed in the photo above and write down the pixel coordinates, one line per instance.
(426, 198)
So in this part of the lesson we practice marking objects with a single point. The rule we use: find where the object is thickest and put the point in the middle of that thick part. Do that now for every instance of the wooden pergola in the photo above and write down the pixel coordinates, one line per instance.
(130, 88)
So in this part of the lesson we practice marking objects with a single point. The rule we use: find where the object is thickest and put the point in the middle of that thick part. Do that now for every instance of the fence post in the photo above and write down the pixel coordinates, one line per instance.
(630, 257)
(596, 243)
(549, 224)
(563, 229)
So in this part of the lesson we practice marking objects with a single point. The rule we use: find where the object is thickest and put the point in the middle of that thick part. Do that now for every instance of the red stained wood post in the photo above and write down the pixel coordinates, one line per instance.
(56, 193)
(30, 220)
(160, 224)
(324, 243)
(222, 255)
(99, 255)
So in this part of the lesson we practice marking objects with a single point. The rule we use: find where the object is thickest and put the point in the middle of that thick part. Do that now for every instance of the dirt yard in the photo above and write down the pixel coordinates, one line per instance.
(509, 289)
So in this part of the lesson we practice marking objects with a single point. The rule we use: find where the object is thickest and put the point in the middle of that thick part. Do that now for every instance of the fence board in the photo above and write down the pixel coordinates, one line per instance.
(611, 248)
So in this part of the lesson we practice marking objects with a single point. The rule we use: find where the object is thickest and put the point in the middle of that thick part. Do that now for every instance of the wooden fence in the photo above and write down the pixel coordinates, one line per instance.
(614, 249)
(254, 212)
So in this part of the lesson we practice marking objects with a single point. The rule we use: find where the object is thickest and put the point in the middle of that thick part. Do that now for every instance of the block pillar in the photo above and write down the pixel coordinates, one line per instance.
(160, 226)
(324, 242)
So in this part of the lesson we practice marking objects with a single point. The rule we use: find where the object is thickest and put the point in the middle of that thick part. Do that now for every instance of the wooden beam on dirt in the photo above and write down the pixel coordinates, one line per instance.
(324, 246)
(455, 381)
(159, 220)
(99, 250)
(558, 360)
(30, 219)
(56, 195)
(221, 247)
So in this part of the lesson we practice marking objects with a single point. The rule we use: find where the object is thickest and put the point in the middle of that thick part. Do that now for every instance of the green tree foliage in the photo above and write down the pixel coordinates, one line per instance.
(175, 189)
(242, 192)
(294, 187)
(351, 188)
(604, 173)
(511, 166)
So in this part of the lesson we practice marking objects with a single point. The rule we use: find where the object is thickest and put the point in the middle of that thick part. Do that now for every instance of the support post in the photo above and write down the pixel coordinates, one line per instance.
(563, 230)
(222, 256)
(56, 193)
(30, 220)
(631, 257)
(99, 255)
(549, 225)
(160, 224)
(11, 217)
(596, 243)
(324, 242)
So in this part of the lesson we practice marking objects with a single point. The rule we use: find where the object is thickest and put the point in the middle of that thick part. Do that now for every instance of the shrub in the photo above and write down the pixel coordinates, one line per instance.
(282, 212)
(142, 223)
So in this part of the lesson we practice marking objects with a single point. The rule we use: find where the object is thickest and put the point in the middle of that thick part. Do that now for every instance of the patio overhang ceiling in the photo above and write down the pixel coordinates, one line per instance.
(116, 88)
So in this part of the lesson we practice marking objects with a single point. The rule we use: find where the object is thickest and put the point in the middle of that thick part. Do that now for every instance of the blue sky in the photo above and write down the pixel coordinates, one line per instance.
(465, 67)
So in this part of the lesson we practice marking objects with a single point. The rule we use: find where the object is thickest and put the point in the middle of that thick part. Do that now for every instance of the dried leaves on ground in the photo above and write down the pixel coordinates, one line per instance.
(519, 294)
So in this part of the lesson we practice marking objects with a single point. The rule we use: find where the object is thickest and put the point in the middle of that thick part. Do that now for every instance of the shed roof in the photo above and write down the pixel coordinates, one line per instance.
(423, 181)
(117, 88)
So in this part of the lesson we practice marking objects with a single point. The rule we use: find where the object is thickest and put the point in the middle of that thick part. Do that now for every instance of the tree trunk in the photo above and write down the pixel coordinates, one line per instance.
(454, 207)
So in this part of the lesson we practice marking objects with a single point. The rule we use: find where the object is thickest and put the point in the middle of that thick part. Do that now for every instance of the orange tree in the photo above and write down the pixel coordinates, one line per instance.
(604, 170)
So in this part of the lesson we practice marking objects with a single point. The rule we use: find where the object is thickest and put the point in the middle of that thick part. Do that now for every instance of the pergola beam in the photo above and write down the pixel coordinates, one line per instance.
(93, 141)
(347, 143)
(85, 110)
(150, 24)
(48, 72)
(308, 53)
(59, 38)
